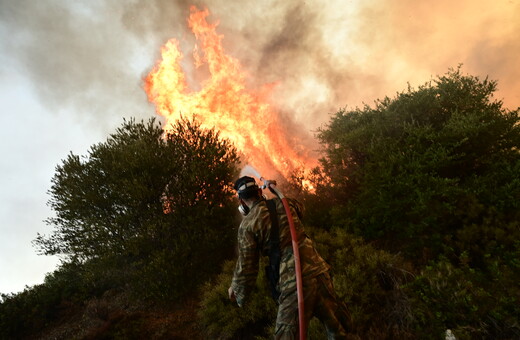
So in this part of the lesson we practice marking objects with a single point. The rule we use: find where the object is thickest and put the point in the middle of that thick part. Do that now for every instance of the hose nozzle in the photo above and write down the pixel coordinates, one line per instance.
(271, 185)
(267, 183)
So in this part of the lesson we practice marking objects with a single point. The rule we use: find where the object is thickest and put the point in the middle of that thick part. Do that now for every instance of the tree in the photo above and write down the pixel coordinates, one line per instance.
(417, 170)
(148, 203)
(435, 173)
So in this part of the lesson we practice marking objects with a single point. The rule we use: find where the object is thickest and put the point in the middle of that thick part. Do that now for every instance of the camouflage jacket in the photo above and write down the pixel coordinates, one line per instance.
(254, 235)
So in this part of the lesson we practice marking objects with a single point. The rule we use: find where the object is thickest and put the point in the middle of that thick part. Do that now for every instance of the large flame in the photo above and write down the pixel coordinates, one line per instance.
(241, 115)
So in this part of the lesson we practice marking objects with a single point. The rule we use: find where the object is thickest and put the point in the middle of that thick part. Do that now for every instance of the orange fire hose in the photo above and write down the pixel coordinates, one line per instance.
(296, 253)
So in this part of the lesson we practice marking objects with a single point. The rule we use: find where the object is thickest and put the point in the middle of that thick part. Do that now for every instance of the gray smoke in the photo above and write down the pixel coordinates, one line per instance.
(91, 55)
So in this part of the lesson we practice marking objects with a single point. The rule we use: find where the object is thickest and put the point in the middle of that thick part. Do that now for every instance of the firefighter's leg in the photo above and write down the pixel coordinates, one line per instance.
(287, 318)
(287, 323)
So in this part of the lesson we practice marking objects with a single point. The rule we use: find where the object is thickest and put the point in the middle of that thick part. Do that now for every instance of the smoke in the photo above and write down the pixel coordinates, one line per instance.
(78, 58)
(426, 39)
(327, 55)
(90, 56)
(249, 170)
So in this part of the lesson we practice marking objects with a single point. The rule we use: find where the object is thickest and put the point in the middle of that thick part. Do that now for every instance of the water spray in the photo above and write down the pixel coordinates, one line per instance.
(271, 185)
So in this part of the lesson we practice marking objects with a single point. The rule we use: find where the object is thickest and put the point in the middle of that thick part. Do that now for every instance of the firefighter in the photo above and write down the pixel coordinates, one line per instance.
(256, 238)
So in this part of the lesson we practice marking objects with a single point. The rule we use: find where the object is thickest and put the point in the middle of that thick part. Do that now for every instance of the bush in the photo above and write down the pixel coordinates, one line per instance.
(149, 208)
(368, 280)
(414, 170)
(466, 301)
(222, 319)
(38, 306)
(435, 173)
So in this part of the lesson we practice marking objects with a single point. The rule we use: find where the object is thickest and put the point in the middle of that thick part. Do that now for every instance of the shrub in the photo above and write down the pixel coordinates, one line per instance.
(466, 301)
(222, 319)
(149, 207)
(36, 307)
(415, 169)
(368, 280)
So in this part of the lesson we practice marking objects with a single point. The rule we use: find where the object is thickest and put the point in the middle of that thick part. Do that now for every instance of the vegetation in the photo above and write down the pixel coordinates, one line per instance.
(223, 320)
(145, 210)
(36, 307)
(363, 278)
(416, 207)
(420, 169)
(435, 173)
(143, 200)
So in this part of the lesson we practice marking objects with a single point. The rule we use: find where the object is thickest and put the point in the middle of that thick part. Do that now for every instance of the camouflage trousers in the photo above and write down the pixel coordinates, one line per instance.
(320, 301)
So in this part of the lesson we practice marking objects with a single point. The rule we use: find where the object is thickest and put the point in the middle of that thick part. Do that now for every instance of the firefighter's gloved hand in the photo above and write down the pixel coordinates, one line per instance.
(268, 182)
(231, 294)
(271, 181)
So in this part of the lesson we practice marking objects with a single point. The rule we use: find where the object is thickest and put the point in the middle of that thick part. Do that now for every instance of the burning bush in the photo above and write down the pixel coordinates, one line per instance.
(152, 207)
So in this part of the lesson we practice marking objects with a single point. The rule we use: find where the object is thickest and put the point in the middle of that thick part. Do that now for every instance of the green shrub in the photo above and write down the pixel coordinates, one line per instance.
(368, 280)
(415, 169)
(36, 307)
(433, 173)
(222, 319)
(147, 208)
(466, 301)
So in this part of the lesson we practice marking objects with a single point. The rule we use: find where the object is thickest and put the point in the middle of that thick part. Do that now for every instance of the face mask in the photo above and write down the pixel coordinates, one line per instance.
(243, 208)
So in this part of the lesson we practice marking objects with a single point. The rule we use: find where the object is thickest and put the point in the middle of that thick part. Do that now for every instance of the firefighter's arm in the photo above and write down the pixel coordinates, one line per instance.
(231, 294)
(246, 269)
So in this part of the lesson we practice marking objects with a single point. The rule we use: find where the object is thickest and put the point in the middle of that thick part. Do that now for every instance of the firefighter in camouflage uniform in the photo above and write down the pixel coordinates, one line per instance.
(255, 239)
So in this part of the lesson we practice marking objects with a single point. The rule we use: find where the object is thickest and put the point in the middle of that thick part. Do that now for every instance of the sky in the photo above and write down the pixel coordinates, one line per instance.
(70, 71)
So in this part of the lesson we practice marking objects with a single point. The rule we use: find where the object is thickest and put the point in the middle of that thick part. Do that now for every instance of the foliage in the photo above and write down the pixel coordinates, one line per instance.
(416, 170)
(316, 200)
(464, 300)
(151, 206)
(435, 172)
(38, 306)
(368, 280)
(72, 304)
(429, 179)
(222, 319)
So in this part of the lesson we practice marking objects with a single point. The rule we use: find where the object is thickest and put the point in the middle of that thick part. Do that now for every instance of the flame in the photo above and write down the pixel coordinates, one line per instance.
(241, 115)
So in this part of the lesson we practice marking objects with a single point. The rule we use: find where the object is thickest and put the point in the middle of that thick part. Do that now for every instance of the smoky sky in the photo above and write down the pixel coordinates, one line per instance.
(91, 56)
(83, 62)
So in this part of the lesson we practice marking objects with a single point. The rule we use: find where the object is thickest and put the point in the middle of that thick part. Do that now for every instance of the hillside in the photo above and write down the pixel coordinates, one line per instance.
(415, 205)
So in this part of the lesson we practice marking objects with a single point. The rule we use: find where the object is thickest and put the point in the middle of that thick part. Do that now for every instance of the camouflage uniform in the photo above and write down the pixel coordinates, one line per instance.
(320, 299)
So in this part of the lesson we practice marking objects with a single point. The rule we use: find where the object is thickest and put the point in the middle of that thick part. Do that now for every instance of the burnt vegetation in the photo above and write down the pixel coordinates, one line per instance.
(416, 207)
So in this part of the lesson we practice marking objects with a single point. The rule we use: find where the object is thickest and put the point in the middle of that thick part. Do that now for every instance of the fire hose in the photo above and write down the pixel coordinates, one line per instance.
(271, 185)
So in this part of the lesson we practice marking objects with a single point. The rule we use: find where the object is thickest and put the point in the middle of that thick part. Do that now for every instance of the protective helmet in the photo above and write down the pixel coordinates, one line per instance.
(246, 187)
